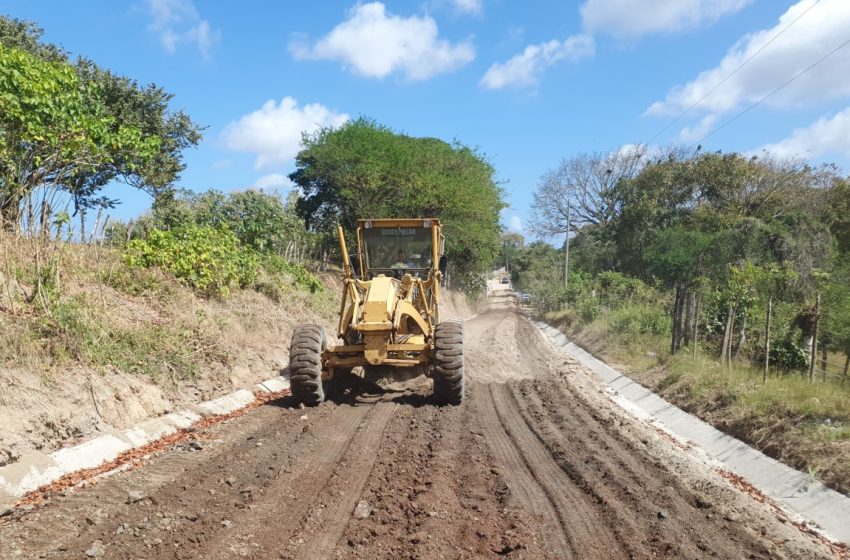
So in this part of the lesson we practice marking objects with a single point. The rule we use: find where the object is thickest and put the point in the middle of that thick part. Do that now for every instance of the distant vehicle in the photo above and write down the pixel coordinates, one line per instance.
(524, 298)
(505, 280)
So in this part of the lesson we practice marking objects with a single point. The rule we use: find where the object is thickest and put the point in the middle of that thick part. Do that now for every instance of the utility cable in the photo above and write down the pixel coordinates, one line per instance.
(732, 73)
(757, 103)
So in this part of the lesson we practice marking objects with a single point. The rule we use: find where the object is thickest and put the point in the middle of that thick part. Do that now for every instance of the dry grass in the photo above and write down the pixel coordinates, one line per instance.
(804, 424)
(67, 304)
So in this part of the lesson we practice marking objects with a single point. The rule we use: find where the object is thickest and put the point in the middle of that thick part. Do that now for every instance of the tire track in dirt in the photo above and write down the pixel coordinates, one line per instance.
(523, 483)
(181, 495)
(648, 508)
(437, 492)
(325, 524)
(270, 522)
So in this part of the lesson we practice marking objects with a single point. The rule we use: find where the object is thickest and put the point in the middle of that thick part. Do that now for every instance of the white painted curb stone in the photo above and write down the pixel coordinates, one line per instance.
(825, 508)
(37, 469)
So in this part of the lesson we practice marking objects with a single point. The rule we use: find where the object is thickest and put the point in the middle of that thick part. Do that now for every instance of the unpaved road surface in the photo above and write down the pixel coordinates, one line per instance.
(538, 463)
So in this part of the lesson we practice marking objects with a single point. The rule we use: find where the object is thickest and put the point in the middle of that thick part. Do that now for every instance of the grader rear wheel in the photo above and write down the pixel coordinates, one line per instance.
(448, 363)
(305, 364)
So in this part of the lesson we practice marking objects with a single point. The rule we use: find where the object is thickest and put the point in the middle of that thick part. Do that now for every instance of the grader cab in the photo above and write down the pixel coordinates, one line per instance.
(389, 314)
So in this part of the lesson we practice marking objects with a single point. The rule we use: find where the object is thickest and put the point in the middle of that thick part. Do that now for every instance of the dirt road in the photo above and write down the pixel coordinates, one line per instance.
(538, 463)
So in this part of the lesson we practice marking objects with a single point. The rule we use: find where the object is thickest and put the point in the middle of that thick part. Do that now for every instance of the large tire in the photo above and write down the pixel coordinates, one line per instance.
(305, 364)
(448, 363)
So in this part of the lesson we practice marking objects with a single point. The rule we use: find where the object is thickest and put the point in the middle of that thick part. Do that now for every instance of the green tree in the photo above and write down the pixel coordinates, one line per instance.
(363, 169)
(139, 141)
(52, 128)
(145, 108)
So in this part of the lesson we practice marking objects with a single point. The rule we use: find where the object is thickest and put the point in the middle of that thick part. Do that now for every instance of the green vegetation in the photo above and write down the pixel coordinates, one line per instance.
(72, 127)
(670, 246)
(365, 170)
(206, 258)
(161, 296)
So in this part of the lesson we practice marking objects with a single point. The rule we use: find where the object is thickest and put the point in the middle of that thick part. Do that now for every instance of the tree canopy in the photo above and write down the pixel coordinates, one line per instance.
(75, 127)
(363, 170)
(738, 229)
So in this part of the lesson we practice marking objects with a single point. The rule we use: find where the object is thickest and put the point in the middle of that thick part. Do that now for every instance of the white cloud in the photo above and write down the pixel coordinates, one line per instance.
(375, 44)
(273, 181)
(828, 135)
(274, 131)
(178, 21)
(630, 19)
(515, 224)
(818, 32)
(475, 7)
(524, 69)
(698, 131)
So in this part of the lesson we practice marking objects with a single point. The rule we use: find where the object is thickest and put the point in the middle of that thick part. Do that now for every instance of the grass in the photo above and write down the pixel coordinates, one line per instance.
(69, 305)
(805, 424)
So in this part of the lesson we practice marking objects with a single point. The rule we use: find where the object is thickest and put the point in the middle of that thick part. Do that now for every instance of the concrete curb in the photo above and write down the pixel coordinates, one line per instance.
(792, 489)
(37, 469)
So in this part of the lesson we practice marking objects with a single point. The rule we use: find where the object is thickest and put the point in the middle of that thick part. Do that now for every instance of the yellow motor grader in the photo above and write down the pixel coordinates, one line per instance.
(389, 315)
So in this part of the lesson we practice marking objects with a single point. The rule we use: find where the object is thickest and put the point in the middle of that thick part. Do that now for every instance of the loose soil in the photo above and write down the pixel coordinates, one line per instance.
(537, 463)
(801, 441)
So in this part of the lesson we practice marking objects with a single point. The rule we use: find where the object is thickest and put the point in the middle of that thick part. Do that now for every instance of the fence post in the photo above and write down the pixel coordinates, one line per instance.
(814, 355)
(695, 327)
(846, 369)
(767, 339)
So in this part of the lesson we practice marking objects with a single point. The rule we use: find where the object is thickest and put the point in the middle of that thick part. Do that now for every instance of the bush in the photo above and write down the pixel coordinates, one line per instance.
(300, 276)
(616, 288)
(205, 258)
(588, 309)
(788, 355)
(640, 319)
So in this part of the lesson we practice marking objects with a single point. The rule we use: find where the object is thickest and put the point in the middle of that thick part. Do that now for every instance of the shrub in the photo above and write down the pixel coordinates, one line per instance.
(300, 276)
(788, 355)
(640, 319)
(205, 258)
(617, 288)
(588, 309)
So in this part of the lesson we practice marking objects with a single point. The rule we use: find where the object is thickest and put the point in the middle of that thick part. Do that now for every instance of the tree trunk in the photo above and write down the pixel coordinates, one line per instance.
(823, 356)
(678, 310)
(742, 338)
(767, 338)
(695, 326)
(846, 369)
(690, 316)
(814, 353)
(674, 328)
(45, 219)
(727, 335)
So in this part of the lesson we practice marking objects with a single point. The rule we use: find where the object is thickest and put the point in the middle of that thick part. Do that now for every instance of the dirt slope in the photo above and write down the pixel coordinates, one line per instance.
(538, 463)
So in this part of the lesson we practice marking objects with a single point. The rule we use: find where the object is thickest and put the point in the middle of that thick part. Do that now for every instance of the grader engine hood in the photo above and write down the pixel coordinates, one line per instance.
(376, 322)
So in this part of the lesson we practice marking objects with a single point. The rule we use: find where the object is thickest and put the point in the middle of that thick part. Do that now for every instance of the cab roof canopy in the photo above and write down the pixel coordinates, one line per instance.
(397, 222)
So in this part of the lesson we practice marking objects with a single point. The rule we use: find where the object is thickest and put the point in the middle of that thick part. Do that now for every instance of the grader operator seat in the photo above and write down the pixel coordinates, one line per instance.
(389, 314)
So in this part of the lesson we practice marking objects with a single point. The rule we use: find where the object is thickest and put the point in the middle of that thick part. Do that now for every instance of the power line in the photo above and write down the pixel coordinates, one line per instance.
(732, 73)
(754, 105)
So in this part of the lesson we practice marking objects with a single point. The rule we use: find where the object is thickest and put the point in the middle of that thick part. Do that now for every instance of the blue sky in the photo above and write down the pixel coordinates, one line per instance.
(529, 83)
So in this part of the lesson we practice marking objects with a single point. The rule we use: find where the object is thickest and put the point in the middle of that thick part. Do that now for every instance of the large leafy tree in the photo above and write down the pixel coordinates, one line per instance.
(363, 169)
(52, 128)
(76, 127)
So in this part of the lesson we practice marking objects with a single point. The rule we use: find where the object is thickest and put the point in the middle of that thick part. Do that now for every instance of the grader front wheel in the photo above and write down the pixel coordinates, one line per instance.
(448, 363)
(305, 364)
